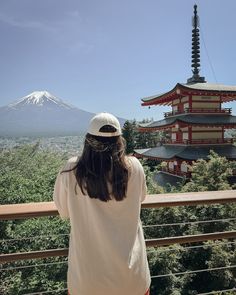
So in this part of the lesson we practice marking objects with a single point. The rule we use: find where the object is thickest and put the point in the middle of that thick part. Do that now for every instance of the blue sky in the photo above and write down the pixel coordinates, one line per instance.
(105, 55)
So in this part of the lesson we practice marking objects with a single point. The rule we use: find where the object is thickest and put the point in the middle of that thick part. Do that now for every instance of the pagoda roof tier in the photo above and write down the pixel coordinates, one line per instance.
(226, 121)
(226, 92)
(166, 152)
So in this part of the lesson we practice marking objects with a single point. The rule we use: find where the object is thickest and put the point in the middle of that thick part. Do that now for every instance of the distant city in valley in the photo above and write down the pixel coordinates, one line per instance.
(68, 145)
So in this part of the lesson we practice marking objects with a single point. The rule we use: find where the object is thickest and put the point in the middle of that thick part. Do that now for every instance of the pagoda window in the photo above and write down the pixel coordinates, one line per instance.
(173, 136)
(171, 165)
(184, 167)
(186, 106)
(185, 136)
(174, 108)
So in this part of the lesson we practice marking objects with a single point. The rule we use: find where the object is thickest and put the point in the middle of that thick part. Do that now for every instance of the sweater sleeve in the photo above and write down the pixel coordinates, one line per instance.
(142, 178)
(60, 195)
(144, 185)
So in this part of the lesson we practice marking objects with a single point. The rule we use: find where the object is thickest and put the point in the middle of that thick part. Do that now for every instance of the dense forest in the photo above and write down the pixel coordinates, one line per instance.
(27, 174)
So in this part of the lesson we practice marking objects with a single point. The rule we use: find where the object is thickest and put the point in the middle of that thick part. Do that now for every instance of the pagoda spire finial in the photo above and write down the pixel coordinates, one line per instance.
(195, 50)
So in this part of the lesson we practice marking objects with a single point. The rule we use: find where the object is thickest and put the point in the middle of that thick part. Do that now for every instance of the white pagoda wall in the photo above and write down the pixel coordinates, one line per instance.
(198, 102)
(206, 102)
(206, 133)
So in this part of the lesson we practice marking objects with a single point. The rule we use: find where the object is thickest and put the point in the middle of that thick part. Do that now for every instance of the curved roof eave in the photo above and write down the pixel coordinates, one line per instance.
(187, 152)
(159, 99)
(194, 153)
(205, 87)
(158, 124)
(191, 119)
(161, 152)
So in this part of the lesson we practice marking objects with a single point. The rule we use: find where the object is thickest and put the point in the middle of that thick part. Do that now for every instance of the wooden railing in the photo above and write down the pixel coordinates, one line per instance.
(30, 210)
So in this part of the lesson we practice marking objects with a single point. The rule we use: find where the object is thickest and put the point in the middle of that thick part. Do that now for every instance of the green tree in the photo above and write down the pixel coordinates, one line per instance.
(210, 175)
(129, 133)
(28, 174)
(137, 139)
(163, 261)
(146, 139)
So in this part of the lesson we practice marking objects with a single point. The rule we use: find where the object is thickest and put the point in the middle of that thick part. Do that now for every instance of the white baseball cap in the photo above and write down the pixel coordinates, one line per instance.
(101, 120)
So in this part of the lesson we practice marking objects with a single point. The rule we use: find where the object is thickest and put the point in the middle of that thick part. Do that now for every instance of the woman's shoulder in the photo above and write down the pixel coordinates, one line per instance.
(71, 163)
(73, 160)
(133, 163)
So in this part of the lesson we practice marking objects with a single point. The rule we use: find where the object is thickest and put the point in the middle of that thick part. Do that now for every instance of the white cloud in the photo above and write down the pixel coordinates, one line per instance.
(27, 24)
(68, 31)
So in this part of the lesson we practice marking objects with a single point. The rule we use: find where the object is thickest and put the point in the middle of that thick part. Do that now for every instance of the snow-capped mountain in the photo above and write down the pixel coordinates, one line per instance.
(41, 113)
(40, 98)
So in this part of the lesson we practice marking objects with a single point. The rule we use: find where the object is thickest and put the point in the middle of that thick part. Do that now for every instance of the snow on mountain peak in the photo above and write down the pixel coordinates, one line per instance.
(40, 98)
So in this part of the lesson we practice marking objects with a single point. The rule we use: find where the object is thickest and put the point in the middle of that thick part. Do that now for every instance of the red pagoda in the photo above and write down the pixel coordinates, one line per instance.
(196, 124)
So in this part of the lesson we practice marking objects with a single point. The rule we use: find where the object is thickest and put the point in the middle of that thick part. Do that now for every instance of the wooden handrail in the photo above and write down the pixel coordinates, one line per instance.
(27, 210)
(190, 199)
(5, 258)
(30, 210)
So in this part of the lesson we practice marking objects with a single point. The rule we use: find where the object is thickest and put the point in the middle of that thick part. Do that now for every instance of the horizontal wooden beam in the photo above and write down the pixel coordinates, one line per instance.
(190, 199)
(40, 209)
(191, 239)
(27, 210)
(5, 258)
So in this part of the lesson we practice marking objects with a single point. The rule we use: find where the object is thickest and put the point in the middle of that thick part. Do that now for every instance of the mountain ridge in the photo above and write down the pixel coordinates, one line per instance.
(43, 114)
(39, 98)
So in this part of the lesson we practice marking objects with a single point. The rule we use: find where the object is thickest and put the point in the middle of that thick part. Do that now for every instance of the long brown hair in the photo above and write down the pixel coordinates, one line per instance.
(101, 171)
